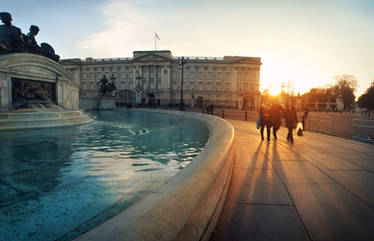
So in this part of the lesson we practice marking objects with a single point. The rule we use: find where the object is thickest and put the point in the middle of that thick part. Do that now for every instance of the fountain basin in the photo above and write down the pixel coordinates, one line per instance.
(59, 183)
(188, 205)
(43, 119)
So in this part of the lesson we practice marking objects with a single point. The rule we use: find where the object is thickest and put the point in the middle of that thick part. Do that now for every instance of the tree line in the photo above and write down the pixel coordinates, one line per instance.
(345, 85)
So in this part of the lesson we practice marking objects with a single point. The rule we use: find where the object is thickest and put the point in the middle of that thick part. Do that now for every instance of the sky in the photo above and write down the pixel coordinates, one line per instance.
(303, 42)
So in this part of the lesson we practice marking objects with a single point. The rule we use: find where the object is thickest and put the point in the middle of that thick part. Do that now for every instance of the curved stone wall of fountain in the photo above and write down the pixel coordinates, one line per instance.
(40, 87)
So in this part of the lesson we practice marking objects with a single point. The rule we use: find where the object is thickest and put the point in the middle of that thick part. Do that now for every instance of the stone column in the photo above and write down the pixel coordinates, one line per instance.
(257, 101)
(149, 77)
(5, 93)
(60, 93)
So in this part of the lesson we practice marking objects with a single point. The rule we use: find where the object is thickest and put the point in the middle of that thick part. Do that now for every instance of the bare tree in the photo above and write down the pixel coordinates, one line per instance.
(345, 85)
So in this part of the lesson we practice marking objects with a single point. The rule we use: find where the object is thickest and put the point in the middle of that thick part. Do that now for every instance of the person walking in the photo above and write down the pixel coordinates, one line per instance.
(264, 113)
(291, 121)
(275, 118)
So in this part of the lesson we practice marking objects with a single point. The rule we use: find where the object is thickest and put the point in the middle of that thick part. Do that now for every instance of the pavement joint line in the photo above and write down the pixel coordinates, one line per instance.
(265, 204)
(349, 161)
(344, 187)
(291, 198)
(255, 169)
(347, 141)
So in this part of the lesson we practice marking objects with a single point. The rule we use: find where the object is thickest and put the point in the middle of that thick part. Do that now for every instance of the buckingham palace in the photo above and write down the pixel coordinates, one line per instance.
(155, 78)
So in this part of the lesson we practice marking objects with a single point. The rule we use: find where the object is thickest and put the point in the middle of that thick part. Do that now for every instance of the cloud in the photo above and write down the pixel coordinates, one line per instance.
(124, 29)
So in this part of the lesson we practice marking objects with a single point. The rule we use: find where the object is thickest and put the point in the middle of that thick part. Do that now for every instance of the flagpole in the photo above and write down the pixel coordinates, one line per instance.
(155, 43)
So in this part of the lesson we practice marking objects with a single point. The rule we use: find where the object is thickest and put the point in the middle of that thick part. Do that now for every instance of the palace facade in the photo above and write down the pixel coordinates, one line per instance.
(154, 78)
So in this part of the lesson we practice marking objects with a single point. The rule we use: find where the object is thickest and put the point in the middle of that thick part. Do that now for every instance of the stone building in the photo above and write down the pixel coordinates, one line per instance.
(154, 78)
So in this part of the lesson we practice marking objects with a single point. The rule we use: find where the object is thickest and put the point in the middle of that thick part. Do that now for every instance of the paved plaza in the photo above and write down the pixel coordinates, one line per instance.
(319, 188)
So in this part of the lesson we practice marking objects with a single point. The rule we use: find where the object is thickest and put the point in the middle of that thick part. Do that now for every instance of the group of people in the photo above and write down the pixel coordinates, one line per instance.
(271, 117)
(208, 108)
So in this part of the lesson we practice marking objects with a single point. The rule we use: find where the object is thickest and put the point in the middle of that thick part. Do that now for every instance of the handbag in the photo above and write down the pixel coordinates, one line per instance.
(300, 129)
(258, 124)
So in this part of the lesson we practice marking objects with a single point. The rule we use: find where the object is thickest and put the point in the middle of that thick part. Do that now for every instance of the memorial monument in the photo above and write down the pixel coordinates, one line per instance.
(35, 90)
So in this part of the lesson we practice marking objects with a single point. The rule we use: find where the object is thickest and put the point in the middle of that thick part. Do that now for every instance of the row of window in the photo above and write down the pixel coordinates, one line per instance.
(202, 75)
(176, 85)
(130, 67)
(216, 98)
(246, 76)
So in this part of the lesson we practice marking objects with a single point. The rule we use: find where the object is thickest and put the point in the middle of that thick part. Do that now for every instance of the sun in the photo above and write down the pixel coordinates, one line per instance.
(293, 77)
(275, 90)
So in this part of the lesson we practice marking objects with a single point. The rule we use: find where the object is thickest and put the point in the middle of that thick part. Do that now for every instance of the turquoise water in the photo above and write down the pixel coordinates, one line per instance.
(56, 184)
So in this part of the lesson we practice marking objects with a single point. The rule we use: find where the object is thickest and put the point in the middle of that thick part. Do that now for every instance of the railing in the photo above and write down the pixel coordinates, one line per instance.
(320, 124)
(199, 58)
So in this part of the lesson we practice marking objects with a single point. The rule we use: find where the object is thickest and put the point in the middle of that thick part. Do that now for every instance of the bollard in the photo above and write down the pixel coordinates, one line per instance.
(223, 114)
(245, 116)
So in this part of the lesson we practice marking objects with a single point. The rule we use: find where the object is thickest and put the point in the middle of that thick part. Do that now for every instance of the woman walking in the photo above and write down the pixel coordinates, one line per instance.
(291, 121)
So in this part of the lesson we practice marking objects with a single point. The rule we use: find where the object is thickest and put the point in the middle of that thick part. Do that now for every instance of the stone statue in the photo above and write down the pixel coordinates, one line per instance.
(106, 88)
(49, 52)
(111, 88)
(103, 83)
(11, 40)
(30, 42)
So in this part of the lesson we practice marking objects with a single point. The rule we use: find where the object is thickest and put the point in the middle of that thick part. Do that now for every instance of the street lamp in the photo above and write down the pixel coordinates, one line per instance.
(138, 89)
(112, 85)
(182, 62)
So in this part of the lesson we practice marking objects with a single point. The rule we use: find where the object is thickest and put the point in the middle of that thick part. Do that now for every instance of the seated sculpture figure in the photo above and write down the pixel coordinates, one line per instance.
(49, 52)
(33, 47)
(11, 40)
(30, 42)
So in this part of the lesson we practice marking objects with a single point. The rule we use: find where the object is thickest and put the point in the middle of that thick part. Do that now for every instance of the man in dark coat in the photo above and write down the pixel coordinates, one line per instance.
(275, 118)
(264, 113)
(291, 121)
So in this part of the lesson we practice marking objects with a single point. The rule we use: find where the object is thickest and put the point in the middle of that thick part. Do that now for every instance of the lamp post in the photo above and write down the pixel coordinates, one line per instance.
(138, 89)
(182, 62)
(111, 85)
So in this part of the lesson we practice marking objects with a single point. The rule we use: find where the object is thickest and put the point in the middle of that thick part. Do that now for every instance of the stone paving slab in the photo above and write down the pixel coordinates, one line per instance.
(257, 187)
(300, 172)
(359, 182)
(260, 222)
(319, 188)
(330, 212)
(366, 163)
(252, 161)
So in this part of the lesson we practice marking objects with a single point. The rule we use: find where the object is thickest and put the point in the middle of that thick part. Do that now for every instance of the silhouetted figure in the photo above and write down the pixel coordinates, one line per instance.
(49, 52)
(11, 40)
(106, 88)
(275, 118)
(103, 87)
(305, 116)
(30, 42)
(111, 88)
(264, 113)
(291, 121)
(205, 107)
